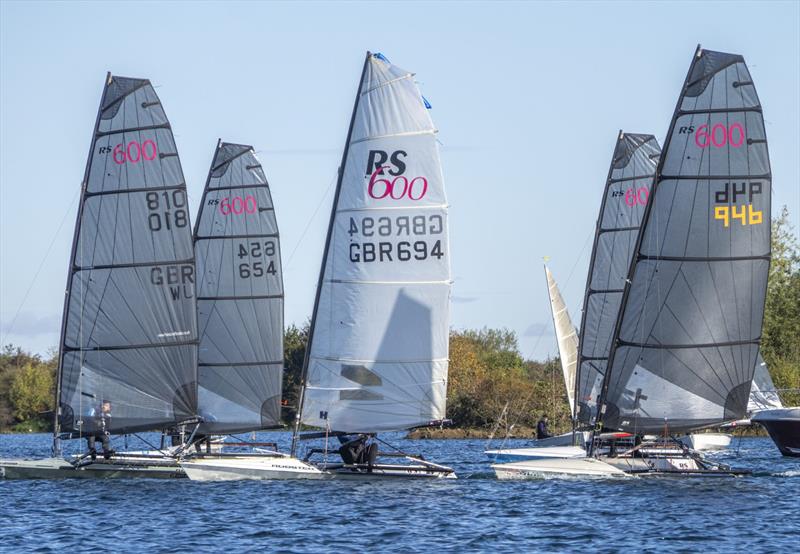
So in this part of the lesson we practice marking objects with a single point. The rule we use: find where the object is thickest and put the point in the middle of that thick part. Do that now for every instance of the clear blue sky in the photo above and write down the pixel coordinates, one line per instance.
(528, 98)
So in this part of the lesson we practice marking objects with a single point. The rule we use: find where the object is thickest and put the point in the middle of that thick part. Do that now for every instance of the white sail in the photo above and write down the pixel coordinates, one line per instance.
(763, 395)
(379, 344)
(566, 336)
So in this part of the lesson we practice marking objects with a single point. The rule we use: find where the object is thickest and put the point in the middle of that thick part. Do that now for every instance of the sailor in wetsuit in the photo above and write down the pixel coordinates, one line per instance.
(102, 422)
(358, 450)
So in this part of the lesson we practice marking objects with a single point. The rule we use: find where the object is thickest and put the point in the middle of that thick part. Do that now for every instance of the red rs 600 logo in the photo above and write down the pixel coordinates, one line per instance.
(398, 186)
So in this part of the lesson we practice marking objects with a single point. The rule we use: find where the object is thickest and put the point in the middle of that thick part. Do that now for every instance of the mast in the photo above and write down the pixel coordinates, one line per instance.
(690, 346)
(71, 272)
(582, 332)
(331, 222)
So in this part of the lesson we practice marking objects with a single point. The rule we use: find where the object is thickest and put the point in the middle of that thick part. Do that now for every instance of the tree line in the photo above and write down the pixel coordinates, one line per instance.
(489, 379)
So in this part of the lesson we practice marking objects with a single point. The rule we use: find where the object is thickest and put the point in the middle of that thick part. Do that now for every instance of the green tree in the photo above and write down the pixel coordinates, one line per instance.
(780, 344)
(295, 340)
(32, 392)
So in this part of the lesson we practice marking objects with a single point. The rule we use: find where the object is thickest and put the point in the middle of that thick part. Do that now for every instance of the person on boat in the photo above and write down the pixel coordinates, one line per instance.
(542, 432)
(358, 450)
(102, 422)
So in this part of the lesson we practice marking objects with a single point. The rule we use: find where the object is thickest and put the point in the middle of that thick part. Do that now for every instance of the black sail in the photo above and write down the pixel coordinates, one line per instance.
(240, 296)
(129, 335)
(630, 178)
(686, 341)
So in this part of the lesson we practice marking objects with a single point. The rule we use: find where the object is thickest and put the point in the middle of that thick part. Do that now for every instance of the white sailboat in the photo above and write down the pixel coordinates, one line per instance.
(378, 344)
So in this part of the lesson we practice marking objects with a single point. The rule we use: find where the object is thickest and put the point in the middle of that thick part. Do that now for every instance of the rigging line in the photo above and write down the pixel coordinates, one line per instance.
(311, 219)
(41, 265)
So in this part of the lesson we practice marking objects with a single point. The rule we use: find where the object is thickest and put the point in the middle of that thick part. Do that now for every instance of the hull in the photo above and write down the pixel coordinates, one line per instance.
(783, 426)
(661, 465)
(557, 468)
(57, 468)
(388, 471)
(521, 454)
(707, 441)
(235, 468)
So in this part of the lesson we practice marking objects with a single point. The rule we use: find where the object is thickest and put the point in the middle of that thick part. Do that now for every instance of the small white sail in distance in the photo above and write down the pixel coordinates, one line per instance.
(566, 335)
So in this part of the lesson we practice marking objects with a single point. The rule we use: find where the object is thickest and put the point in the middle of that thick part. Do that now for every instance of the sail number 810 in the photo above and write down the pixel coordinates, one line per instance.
(167, 200)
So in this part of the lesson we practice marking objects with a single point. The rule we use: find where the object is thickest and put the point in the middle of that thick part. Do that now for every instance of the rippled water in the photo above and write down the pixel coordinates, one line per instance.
(474, 513)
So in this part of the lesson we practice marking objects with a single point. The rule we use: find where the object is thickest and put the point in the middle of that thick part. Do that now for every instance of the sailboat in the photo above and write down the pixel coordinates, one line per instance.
(570, 444)
(685, 340)
(127, 356)
(240, 308)
(378, 343)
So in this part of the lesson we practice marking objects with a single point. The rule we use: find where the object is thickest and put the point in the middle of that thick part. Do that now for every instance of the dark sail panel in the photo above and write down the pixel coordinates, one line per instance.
(627, 189)
(240, 296)
(689, 332)
(130, 325)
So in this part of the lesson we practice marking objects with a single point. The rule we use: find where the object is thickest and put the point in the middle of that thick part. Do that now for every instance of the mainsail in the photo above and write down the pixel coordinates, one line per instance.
(378, 352)
(685, 344)
(565, 335)
(129, 333)
(239, 296)
(628, 184)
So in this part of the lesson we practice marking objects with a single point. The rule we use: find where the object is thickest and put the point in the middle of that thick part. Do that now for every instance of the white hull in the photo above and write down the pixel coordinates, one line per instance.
(232, 468)
(122, 468)
(549, 468)
(521, 454)
(707, 441)
(608, 467)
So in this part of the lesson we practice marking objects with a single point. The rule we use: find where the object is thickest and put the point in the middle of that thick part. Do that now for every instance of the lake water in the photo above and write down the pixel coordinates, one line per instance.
(760, 513)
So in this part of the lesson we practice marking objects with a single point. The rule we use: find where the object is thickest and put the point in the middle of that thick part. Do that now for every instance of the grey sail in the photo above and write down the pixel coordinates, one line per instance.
(686, 341)
(240, 296)
(627, 188)
(129, 334)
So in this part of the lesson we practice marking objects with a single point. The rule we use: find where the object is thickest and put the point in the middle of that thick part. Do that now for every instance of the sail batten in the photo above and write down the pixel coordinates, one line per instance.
(378, 346)
(686, 339)
(129, 334)
(240, 296)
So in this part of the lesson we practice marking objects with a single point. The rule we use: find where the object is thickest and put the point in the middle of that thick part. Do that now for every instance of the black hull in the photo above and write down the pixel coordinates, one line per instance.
(785, 433)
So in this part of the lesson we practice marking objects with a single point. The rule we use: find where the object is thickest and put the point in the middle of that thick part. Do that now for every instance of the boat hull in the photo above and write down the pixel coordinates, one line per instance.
(57, 468)
(783, 426)
(707, 441)
(534, 453)
(236, 468)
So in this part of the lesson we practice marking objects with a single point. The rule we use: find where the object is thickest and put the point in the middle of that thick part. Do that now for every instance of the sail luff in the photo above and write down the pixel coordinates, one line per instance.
(686, 337)
(325, 254)
(239, 296)
(566, 337)
(71, 273)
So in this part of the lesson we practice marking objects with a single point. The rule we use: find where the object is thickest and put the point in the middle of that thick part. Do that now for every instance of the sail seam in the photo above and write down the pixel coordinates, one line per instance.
(756, 109)
(371, 361)
(251, 297)
(358, 282)
(390, 135)
(702, 259)
(387, 83)
(254, 185)
(680, 346)
(766, 176)
(238, 364)
(181, 186)
(134, 264)
(634, 178)
(389, 208)
(254, 236)
(128, 347)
